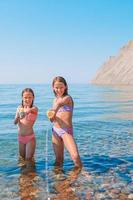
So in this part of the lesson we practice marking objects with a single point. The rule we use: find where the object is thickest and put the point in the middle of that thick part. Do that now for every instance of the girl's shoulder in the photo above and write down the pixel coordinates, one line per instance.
(68, 99)
(63, 99)
(35, 108)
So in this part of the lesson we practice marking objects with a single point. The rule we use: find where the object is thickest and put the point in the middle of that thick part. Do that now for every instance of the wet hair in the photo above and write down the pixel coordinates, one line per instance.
(28, 90)
(62, 80)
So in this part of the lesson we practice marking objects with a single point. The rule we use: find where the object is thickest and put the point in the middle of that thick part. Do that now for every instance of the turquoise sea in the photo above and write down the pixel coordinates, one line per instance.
(103, 130)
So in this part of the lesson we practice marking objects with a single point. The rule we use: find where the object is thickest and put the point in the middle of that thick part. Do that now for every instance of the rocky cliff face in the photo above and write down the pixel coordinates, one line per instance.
(117, 69)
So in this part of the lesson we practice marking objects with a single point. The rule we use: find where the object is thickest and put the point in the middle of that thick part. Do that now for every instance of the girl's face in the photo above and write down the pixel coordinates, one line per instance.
(59, 88)
(27, 99)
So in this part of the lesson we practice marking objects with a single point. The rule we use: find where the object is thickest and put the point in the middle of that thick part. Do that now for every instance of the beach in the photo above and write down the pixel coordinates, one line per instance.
(103, 131)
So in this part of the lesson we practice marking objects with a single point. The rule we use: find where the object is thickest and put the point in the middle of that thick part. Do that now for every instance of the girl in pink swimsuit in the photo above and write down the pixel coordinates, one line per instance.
(62, 123)
(25, 118)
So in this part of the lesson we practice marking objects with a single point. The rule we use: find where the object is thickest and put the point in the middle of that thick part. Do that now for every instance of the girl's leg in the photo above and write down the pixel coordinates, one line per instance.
(58, 147)
(22, 150)
(30, 149)
(22, 153)
(72, 149)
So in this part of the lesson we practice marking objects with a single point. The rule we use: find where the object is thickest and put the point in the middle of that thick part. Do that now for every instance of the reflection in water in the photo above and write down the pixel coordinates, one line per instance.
(27, 182)
(63, 185)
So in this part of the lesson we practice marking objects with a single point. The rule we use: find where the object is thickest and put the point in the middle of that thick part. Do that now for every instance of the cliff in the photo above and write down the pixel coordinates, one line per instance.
(117, 69)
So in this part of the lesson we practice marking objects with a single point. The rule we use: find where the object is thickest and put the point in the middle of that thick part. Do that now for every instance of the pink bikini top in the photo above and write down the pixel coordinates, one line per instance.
(65, 108)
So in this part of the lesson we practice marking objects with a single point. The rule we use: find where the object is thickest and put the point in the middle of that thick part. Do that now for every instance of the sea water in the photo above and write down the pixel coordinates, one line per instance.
(103, 130)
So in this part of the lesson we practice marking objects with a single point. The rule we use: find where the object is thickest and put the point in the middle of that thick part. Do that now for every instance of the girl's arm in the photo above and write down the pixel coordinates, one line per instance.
(17, 117)
(57, 104)
(51, 113)
(67, 100)
(16, 120)
(33, 110)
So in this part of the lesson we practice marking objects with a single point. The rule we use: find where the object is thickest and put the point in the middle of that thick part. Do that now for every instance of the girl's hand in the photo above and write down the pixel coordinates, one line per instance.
(51, 114)
(21, 113)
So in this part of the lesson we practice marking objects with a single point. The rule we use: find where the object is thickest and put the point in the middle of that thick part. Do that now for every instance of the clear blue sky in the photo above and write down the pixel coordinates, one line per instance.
(40, 39)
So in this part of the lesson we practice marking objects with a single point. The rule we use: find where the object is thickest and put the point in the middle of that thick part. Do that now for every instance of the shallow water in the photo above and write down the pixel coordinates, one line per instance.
(104, 134)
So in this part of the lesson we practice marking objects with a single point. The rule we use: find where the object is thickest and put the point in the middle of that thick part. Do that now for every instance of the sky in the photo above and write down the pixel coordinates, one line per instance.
(41, 39)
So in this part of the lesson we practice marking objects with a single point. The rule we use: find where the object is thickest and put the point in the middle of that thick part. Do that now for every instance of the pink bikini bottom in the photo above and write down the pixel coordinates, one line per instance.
(26, 138)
